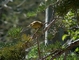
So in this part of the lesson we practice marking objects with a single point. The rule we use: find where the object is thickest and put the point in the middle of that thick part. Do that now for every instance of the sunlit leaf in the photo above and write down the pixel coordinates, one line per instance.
(77, 49)
(64, 36)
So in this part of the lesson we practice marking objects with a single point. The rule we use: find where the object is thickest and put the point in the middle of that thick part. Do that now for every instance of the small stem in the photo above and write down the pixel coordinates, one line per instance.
(65, 56)
(39, 53)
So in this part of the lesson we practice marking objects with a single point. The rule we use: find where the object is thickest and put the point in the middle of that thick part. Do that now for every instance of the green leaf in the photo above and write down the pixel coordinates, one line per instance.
(77, 49)
(74, 37)
(64, 36)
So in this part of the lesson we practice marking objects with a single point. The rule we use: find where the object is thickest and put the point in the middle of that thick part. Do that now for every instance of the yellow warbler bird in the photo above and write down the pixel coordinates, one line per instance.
(36, 24)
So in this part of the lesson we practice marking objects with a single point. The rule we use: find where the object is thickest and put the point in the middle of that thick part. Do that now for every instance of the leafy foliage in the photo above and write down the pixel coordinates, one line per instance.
(71, 25)
(45, 50)
(15, 52)
(14, 32)
(13, 43)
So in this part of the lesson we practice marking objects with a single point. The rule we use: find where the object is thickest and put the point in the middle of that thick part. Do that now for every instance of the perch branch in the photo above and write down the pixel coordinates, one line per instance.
(39, 52)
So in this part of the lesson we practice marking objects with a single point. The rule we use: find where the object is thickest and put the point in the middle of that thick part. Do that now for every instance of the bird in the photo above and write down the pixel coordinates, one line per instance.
(36, 24)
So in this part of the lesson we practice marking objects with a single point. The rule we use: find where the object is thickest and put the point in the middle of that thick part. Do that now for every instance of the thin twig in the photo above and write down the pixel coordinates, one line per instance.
(49, 25)
(39, 52)
(65, 55)
(21, 3)
(38, 45)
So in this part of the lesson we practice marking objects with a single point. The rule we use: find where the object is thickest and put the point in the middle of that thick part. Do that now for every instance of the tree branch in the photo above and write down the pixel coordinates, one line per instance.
(60, 52)
(49, 25)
